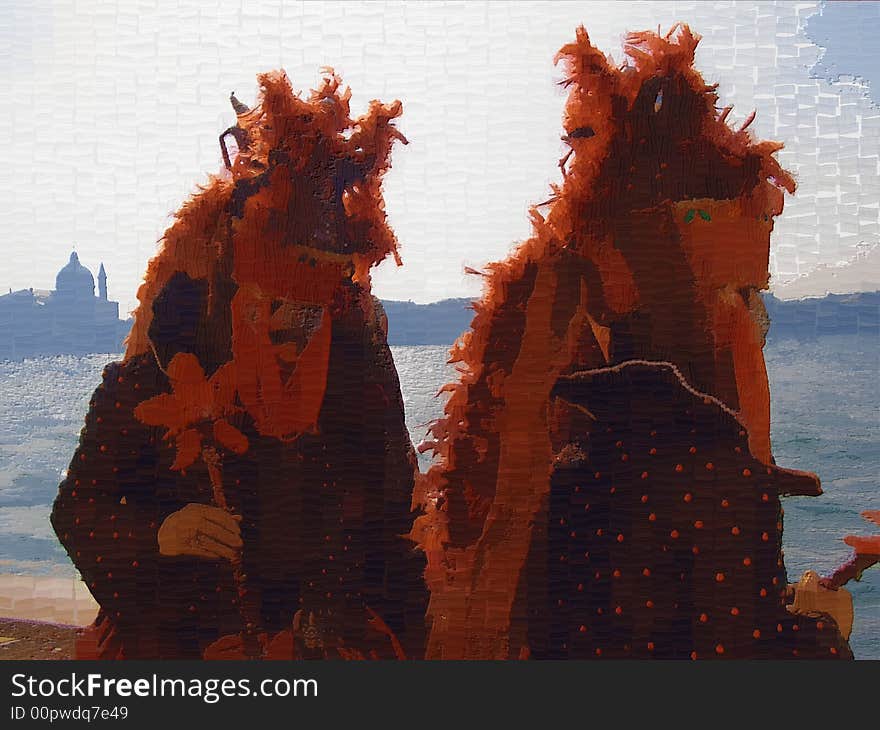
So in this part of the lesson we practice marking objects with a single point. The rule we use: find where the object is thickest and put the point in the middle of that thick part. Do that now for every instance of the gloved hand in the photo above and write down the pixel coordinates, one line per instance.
(201, 530)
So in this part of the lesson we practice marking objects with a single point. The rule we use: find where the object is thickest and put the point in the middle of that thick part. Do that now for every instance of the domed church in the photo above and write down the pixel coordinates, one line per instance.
(67, 320)
(75, 280)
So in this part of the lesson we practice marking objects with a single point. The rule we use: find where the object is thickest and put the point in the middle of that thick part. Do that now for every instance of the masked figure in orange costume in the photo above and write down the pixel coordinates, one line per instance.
(606, 486)
(244, 477)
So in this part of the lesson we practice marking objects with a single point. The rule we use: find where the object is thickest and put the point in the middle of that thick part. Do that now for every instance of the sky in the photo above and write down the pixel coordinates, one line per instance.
(111, 113)
(848, 33)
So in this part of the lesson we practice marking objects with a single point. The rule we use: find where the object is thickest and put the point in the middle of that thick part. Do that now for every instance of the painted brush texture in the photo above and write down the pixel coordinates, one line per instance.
(606, 486)
(244, 477)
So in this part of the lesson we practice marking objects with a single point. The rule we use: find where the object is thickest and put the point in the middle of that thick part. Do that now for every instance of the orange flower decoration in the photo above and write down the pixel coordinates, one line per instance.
(193, 401)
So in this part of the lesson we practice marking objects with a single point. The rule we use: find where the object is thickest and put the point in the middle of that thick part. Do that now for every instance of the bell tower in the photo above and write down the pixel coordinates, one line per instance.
(102, 283)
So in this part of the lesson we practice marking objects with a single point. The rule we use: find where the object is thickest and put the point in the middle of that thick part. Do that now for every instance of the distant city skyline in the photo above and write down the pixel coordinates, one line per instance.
(69, 318)
(112, 115)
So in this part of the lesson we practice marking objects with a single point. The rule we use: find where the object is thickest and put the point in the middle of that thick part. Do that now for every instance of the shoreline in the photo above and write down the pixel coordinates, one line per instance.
(49, 600)
(40, 616)
(36, 640)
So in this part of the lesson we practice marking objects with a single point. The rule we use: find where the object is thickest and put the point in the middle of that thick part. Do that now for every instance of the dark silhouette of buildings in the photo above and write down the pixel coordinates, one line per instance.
(72, 320)
(68, 320)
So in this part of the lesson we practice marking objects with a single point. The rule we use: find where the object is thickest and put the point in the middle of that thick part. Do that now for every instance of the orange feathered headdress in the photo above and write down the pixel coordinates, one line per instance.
(303, 203)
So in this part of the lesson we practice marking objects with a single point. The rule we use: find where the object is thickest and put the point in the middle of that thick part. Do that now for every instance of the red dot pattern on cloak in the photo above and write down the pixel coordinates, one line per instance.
(290, 140)
(736, 561)
(104, 520)
(109, 504)
(617, 248)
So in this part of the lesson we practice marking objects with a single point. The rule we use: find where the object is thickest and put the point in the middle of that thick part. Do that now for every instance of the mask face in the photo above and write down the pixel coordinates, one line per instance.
(281, 312)
(307, 223)
(280, 359)
(308, 176)
(726, 244)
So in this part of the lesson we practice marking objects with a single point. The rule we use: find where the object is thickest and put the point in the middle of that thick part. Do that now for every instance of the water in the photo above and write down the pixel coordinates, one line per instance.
(826, 418)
